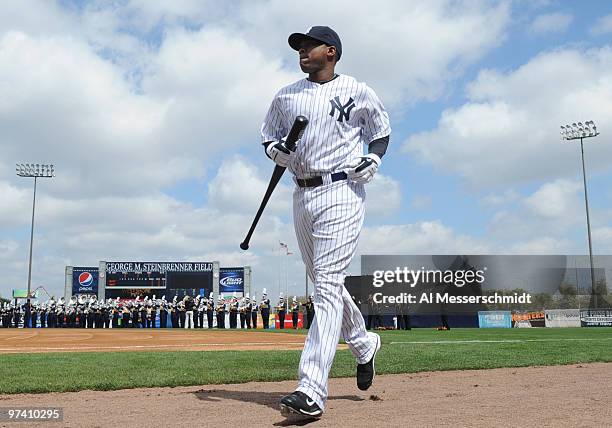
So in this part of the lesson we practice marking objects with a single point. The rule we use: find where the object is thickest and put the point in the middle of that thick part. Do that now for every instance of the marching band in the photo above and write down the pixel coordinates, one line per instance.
(189, 312)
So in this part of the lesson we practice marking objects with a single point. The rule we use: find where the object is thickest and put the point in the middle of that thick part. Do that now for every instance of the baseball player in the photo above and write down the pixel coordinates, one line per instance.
(330, 171)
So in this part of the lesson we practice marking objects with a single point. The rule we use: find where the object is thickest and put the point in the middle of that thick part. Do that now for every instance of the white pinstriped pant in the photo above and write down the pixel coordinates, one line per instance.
(327, 222)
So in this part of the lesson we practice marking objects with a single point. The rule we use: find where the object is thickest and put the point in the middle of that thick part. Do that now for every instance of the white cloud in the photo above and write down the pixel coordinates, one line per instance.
(558, 200)
(458, 33)
(508, 131)
(543, 245)
(218, 87)
(551, 23)
(428, 237)
(603, 25)
(384, 197)
(493, 200)
(602, 239)
(545, 221)
(35, 17)
(240, 187)
(154, 139)
(67, 106)
(14, 203)
(8, 249)
(145, 15)
(427, 43)
(158, 129)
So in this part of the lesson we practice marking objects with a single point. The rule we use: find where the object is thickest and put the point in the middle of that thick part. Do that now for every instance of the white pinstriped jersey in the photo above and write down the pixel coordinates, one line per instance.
(343, 115)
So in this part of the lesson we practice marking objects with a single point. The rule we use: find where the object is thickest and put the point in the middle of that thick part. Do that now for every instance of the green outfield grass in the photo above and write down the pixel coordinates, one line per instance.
(402, 352)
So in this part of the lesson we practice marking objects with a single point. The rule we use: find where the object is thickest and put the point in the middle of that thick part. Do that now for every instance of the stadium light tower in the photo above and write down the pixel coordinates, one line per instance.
(580, 131)
(31, 170)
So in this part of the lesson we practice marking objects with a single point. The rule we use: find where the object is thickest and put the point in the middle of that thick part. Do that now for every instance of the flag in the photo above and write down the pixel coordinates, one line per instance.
(285, 247)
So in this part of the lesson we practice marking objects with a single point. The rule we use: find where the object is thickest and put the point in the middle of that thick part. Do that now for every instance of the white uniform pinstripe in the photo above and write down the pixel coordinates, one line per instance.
(344, 114)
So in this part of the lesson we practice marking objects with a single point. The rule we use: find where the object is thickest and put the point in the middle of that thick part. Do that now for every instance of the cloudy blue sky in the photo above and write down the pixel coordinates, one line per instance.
(151, 112)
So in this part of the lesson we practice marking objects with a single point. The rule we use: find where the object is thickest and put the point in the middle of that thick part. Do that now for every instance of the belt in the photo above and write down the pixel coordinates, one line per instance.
(317, 181)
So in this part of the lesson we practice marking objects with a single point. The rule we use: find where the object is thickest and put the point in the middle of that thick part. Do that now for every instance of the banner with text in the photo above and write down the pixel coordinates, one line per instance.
(494, 319)
(231, 280)
(596, 317)
(152, 275)
(562, 317)
(84, 280)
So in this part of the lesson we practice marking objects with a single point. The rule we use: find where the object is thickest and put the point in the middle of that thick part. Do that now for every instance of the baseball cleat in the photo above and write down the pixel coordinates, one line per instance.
(298, 403)
(367, 371)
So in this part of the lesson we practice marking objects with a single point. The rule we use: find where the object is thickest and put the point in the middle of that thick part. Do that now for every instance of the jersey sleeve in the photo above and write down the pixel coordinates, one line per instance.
(376, 121)
(273, 127)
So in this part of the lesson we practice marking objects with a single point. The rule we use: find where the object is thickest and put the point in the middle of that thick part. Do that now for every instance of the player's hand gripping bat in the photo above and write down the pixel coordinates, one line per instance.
(296, 132)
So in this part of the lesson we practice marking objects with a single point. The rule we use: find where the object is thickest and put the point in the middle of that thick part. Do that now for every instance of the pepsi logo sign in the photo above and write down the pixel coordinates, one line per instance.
(86, 279)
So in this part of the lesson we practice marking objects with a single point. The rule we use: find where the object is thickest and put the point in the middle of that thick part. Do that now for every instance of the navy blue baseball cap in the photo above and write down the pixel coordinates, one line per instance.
(319, 33)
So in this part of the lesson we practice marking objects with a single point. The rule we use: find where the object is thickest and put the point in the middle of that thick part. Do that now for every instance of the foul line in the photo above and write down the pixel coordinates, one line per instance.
(160, 346)
(436, 342)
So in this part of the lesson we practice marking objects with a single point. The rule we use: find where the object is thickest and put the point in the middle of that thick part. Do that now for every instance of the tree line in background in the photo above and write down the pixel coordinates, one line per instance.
(566, 298)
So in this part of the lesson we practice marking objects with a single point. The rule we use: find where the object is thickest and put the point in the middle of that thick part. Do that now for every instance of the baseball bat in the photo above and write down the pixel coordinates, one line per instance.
(296, 132)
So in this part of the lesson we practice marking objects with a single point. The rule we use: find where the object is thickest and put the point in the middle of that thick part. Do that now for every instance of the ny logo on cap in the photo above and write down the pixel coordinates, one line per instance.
(344, 111)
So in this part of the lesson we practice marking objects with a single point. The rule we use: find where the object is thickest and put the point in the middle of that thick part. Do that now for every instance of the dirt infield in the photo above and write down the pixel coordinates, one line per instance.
(100, 340)
(574, 396)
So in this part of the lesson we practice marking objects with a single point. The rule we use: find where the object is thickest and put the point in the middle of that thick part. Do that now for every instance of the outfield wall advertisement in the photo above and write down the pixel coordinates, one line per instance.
(528, 318)
(495, 319)
(596, 318)
(562, 318)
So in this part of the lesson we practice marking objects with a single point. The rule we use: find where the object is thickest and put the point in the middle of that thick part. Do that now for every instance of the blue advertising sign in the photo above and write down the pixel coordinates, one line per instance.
(230, 280)
(495, 319)
(84, 280)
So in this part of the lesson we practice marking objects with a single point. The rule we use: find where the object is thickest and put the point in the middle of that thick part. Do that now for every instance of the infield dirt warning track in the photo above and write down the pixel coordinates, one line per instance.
(104, 340)
(577, 395)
